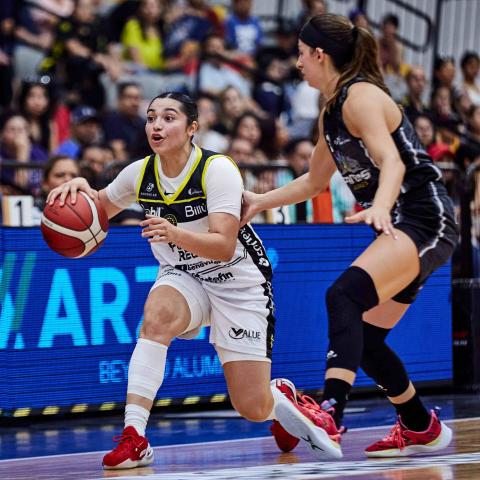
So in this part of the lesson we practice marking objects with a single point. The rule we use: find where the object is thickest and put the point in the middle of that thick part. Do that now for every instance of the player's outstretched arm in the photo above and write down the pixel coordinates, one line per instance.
(302, 188)
(80, 184)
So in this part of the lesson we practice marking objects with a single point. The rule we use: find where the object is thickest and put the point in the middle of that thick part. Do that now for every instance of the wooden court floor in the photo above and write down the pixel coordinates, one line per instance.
(258, 458)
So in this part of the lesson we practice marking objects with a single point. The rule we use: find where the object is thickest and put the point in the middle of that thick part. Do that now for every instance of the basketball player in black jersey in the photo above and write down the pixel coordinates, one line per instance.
(367, 137)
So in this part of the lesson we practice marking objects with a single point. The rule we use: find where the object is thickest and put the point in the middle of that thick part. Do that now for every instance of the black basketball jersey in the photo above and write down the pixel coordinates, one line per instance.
(358, 168)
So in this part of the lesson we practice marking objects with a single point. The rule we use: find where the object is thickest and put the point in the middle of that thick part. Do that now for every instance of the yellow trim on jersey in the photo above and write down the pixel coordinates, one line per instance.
(140, 178)
(207, 163)
(171, 199)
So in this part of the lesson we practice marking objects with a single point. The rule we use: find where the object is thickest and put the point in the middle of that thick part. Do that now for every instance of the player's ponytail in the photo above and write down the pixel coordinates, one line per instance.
(353, 50)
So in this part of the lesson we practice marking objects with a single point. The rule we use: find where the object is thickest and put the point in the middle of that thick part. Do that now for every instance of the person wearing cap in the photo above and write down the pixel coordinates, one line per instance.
(85, 129)
(369, 139)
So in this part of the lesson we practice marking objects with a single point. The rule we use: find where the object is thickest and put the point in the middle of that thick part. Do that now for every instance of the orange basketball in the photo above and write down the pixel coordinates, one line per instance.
(75, 230)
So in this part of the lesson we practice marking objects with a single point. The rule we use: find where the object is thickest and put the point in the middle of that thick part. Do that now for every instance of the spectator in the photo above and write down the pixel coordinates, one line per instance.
(444, 159)
(359, 18)
(269, 93)
(215, 75)
(205, 136)
(249, 127)
(297, 153)
(413, 101)
(243, 31)
(305, 109)
(469, 151)
(310, 9)
(93, 160)
(35, 104)
(444, 73)
(470, 64)
(123, 127)
(85, 55)
(187, 29)
(85, 129)
(425, 130)
(34, 33)
(390, 52)
(232, 105)
(58, 169)
(444, 118)
(15, 145)
(142, 36)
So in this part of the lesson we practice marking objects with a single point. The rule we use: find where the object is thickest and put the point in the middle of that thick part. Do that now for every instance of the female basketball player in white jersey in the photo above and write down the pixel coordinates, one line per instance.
(365, 135)
(211, 273)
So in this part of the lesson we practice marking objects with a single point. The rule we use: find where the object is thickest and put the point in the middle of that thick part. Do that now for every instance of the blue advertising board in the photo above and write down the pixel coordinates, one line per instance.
(68, 327)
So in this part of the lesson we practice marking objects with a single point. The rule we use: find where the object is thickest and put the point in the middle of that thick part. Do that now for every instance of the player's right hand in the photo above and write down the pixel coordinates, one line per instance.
(249, 207)
(71, 187)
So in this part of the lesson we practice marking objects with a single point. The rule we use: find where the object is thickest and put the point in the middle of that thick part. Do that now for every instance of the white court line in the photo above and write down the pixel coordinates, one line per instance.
(362, 429)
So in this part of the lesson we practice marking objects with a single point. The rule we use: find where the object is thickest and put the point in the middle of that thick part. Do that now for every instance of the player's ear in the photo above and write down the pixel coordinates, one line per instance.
(192, 128)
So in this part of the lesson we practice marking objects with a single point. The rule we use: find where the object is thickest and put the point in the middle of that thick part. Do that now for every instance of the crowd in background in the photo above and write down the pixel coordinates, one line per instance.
(76, 76)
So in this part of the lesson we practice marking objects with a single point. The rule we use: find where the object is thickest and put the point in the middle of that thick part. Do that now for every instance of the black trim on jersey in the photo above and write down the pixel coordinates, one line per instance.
(254, 247)
(268, 292)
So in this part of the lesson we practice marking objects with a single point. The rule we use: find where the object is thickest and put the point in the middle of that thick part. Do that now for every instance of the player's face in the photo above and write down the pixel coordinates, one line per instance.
(307, 63)
(167, 126)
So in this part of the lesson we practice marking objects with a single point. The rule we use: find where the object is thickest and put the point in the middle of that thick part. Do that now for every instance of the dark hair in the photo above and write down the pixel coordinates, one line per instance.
(26, 87)
(122, 86)
(440, 61)
(360, 51)
(392, 19)
(292, 145)
(188, 106)
(467, 56)
(52, 161)
(242, 117)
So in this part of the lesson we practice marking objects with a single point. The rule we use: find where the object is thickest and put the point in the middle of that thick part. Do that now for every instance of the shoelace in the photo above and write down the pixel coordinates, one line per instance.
(326, 407)
(395, 436)
(123, 440)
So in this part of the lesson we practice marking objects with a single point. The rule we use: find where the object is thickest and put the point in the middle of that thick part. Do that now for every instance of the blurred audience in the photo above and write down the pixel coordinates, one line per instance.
(79, 74)
(85, 130)
(206, 136)
(470, 65)
(243, 31)
(123, 126)
(16, 146)
(413, 102)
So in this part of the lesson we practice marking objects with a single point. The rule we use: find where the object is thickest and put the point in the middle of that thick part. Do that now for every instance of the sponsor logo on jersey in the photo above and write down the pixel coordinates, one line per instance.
(171, 218)
(150, 187)
(195, 191)
(331, 354)
(192, 210)
(239, 333)
(155, 211)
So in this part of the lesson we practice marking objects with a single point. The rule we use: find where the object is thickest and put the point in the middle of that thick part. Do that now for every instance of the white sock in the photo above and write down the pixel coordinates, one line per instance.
(147, 368)
(136, 416)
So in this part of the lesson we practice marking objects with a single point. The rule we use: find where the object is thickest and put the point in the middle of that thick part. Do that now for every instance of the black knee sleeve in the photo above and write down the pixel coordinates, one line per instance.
(381, 363)
(352, 294)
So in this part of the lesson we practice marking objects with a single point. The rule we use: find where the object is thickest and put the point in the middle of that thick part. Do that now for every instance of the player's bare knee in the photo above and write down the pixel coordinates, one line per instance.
(255, 409)
(160, 322)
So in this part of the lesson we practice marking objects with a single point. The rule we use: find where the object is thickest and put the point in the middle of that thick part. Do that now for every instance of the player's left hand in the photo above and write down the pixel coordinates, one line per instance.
(158, 230)
(378, 217)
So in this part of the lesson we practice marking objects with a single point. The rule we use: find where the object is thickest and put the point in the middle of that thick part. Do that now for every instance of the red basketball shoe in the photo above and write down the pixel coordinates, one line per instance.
(132, 451)
(401, 442)
(308, 421)
(284, 440)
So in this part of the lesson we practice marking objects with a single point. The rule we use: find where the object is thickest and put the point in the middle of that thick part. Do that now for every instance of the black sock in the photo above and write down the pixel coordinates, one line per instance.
(338, 390)
(413, 413)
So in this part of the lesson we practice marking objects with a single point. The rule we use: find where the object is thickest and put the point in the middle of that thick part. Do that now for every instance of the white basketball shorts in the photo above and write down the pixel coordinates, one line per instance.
(241, 320)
